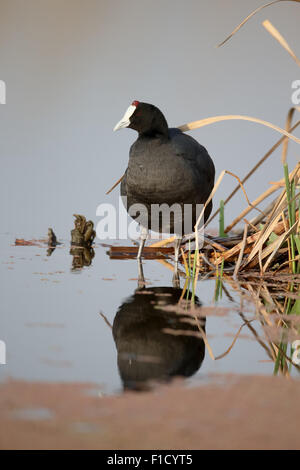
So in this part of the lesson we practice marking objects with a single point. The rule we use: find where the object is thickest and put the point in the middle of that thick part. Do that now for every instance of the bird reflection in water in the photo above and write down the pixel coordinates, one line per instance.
(147, 351)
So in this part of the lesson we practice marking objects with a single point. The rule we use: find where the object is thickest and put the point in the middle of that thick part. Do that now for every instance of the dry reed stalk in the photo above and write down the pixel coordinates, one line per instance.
(217, 184)
(252, 171)
(170, 266)
(262, 254)
(254, 228)
(253, 297)
(254, 203)
(278, 243)
(185, 262)
(233, 252)
(262, 312)
(281, 199)
(206, 241)
(234, 340)
(262, 309)
(163, 242)
(184, 289)
(244, 191)
(115, 185)
(238, 264)
(273, 226)
(274, 215)
(265, 294)
(166, 264)
(106, 320)
(228, 117)
(259, 218)
(276, 34)
(287, 262)
(263, 237)
(250, 16)
(214, 244)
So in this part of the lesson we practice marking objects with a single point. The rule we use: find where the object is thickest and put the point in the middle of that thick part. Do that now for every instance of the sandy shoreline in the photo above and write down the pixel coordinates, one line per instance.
(235, 413)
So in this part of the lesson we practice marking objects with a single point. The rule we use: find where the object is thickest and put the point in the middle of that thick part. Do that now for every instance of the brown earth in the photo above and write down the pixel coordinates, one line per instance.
(232, 413)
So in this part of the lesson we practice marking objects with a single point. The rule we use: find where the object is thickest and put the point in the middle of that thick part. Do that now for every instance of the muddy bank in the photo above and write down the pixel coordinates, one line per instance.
(232, 413)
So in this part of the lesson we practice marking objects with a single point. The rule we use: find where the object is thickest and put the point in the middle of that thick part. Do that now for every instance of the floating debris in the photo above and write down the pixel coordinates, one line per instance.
(22, 242)
(83, 234)
(52, 240)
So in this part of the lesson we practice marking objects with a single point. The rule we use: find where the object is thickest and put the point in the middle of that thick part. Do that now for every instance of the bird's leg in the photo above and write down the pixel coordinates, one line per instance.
(177, 242)
(141, 279)
(176, 280)
(144, 236)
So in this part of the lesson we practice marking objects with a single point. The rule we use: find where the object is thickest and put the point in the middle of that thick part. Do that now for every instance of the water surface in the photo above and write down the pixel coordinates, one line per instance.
(56, 321)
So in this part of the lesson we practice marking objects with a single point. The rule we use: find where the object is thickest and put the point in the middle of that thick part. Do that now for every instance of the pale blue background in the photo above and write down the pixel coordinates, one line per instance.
(72, 67)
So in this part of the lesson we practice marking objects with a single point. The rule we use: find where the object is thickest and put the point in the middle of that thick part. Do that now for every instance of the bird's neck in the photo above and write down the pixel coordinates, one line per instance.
(158, 129)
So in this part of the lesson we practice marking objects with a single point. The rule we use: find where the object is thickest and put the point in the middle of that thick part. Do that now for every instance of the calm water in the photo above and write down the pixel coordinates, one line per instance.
(52, 325)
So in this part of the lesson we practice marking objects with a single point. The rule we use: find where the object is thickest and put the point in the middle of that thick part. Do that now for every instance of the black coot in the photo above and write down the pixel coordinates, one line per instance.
(165, 166)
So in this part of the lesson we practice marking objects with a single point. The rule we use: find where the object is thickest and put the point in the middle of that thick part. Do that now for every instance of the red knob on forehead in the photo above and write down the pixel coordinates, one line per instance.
(135, 103)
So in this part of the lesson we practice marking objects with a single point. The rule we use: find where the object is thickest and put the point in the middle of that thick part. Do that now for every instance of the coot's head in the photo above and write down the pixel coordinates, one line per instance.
(145, 118)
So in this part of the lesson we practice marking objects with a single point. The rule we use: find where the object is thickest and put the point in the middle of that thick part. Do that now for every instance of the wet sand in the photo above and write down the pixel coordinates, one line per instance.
(232, 412)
